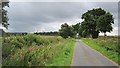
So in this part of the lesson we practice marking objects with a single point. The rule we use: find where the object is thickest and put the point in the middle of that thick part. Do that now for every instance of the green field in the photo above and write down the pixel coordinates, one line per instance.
(108, 46)
(32, 50)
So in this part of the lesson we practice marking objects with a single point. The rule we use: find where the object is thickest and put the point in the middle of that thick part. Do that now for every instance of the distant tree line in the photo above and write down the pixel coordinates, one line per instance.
(14, 33)
(94, 21)
(37, 33)
(47, 33)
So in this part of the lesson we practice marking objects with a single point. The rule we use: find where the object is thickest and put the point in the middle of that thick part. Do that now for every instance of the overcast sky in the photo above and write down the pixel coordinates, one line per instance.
(48, 16)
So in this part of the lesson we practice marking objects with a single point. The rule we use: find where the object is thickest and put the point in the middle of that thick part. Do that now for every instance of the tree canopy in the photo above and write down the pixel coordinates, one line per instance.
(76, 27)
(104, 23)
(5, 19)
(66, 31)
(95, 21)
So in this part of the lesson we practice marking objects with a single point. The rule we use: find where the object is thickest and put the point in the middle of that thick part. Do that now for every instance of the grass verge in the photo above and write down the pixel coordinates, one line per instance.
(64, 56)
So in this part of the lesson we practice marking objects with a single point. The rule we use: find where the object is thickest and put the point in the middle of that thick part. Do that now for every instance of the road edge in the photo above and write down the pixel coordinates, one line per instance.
(101, 54)
(73, 54)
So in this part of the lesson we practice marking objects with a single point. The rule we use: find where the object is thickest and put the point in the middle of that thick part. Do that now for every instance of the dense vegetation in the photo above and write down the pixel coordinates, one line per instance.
(108, 46)
(94, 21)
(31, 49)
(66, 31)
(3, 13)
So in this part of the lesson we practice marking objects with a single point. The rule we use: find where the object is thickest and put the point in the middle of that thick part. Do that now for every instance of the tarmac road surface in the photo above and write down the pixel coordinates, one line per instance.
(85, 56)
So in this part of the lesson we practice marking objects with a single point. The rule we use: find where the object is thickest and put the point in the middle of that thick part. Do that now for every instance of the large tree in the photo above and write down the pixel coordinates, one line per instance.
(84, 30)
(4, 20)
(92, 22)
(104, 23)
(66, 31)
(76, 28)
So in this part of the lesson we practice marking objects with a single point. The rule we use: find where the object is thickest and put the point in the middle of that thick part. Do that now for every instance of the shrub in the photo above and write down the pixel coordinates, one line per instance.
(13, 43)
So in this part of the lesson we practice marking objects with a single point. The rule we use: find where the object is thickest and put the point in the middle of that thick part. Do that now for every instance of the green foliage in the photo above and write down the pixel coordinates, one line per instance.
(4, 15)
(76, 28)
(89, 24)
(66, 31)
(104, 23)
(85, 34)
(95, 34)
(107, 46)
(43, 51)
(95, 21)
(13, 42)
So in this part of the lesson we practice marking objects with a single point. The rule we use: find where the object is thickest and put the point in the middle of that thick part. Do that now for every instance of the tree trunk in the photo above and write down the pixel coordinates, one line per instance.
(105, 34)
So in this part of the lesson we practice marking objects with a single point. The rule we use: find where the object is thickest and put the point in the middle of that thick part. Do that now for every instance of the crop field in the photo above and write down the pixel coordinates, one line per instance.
(36, 50)
(108, 46)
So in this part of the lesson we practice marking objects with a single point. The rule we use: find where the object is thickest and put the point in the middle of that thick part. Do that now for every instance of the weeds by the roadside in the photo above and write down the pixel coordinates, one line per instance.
(35, 50)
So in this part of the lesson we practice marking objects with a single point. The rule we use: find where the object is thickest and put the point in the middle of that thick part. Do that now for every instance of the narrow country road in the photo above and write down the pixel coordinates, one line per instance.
(86, 56)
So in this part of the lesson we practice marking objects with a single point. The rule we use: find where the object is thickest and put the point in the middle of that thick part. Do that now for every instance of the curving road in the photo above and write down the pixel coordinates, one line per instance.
(86, 56)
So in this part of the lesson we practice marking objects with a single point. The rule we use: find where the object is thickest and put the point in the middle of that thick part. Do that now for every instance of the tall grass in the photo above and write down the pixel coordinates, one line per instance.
(35, 50)
(107, 46)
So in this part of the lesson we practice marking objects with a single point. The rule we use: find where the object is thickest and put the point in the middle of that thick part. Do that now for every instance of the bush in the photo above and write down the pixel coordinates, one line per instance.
(51, 49)
(13, 43)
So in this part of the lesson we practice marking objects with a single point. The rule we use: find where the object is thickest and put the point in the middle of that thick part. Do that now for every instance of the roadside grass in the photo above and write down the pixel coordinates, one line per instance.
(107, 47)
(43, 51)
(64, 57)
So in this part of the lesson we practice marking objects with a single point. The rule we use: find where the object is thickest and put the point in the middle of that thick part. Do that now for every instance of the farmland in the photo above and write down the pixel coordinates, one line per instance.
(108, 46)
(32, 50)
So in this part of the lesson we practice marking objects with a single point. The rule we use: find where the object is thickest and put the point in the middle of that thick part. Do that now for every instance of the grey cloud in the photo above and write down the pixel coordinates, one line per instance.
(44, 12)
(25, 16)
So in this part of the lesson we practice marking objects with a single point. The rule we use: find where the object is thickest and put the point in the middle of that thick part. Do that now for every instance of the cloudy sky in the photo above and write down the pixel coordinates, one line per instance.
(48, 16)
